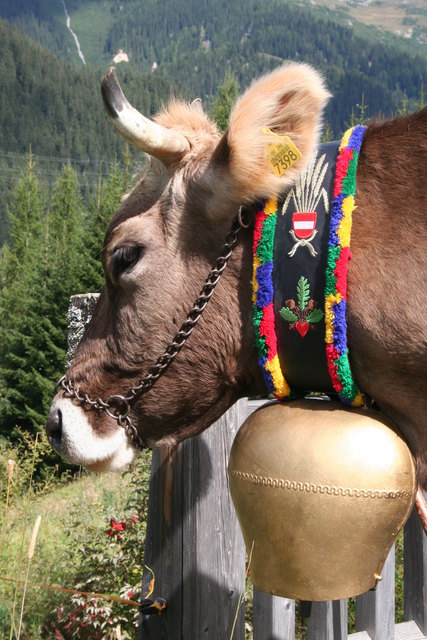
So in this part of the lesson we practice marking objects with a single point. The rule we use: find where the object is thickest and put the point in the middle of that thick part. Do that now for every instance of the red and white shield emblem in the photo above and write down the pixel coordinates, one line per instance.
(304, 224)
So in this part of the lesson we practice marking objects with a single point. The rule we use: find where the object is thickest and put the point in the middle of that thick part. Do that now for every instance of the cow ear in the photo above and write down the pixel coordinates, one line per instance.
(287, 102)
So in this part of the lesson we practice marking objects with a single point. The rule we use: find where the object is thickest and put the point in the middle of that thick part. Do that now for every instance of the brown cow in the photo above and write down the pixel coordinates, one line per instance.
(167, 233)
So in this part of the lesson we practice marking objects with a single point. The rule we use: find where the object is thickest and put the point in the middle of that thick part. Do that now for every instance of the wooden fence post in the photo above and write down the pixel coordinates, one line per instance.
(194, 544)
(80, 311)
(375, 609)
(328, 621)
(415, 571)
(274, 618)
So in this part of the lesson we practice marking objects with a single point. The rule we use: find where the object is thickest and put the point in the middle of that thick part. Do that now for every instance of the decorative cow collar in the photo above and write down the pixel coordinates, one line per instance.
(301, 253)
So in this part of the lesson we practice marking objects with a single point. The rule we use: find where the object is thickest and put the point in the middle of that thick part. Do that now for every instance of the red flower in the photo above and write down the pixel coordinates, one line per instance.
(118, 526)
(115, 527)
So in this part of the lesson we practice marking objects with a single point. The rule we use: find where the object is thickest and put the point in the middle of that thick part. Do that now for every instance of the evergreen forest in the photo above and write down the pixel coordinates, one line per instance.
(53, 252)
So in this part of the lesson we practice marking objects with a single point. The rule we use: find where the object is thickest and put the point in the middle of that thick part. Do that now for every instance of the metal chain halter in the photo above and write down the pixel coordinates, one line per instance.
(118, 406)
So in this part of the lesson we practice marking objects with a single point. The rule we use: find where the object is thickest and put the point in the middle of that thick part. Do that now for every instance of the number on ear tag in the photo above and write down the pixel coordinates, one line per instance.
(281, 152)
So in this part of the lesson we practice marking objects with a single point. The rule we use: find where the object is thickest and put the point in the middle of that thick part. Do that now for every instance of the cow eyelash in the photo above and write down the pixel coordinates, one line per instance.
(123, 258)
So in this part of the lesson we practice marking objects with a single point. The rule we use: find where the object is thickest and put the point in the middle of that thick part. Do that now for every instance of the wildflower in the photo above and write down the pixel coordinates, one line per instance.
(115, 527)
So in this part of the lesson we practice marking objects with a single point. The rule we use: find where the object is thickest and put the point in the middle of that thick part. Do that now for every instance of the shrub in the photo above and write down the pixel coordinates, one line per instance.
(110, 561)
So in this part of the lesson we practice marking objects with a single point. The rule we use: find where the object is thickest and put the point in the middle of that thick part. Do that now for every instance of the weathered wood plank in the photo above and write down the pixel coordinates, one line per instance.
(375, 609)
(360, 635)
(415, 571)
(194, 544)
(402, 631)
(274, 618)
(163, 546)
(213, 547)
(253, 405)
(340, 619)
(328, 621)
(408, 631)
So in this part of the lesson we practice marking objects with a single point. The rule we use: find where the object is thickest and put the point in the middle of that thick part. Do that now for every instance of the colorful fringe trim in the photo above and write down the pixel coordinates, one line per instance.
(263, 311)
(336, 272)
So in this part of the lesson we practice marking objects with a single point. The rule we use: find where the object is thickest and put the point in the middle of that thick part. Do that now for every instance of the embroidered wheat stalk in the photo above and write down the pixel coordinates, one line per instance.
(308, 189)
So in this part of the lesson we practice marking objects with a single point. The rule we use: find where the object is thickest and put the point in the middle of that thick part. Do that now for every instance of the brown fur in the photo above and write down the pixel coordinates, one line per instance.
(179, 216)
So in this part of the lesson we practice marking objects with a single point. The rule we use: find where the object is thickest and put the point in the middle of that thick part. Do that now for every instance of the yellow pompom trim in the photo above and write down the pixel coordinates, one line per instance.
(281, 387)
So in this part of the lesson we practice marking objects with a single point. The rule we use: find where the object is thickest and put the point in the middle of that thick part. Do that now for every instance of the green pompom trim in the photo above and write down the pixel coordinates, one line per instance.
(349, 182)
(265, 247)
(331, 281)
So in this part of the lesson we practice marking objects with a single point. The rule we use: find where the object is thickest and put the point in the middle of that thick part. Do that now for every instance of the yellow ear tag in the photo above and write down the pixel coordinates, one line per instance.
(281, 153)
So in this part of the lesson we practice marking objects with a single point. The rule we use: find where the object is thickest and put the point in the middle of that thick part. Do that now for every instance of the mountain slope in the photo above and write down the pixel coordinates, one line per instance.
(56, 108)
(197, 42)
(395, 22)
(194, 43)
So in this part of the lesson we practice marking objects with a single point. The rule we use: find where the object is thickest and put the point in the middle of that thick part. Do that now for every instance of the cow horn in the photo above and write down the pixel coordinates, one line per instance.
(165, 144)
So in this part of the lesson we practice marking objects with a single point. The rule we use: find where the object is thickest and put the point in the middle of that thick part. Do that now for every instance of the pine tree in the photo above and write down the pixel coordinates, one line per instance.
(67, 230)
(327, 134)
(33, 340)
(25, 221)
(228, 92)
(110, 194)
(421, 103)
(18, 267)
(403, 108)
(362, 116)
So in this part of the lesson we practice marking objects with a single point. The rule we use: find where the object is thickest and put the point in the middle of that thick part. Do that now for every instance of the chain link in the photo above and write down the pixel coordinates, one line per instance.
(118, 406)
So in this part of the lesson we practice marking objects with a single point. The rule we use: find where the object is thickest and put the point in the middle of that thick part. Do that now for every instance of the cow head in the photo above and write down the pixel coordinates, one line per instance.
(158, 249)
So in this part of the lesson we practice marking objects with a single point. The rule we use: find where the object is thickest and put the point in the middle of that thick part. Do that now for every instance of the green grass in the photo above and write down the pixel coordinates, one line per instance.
(72, 516)
(91, 23)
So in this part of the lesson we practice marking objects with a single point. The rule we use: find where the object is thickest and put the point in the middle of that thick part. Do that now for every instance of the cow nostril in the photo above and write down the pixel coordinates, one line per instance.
(54, 428)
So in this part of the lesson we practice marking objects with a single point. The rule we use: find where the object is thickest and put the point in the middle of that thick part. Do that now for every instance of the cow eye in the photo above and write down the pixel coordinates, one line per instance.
(123, 258)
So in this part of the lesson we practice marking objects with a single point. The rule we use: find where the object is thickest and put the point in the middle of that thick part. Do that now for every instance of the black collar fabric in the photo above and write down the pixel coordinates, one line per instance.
(300, 258)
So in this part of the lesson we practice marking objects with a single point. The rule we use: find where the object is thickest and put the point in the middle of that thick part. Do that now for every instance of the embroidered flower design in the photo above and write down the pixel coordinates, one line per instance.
(306, 313)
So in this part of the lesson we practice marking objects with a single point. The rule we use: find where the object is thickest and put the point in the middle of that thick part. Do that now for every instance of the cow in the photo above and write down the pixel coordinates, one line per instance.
(169, 230)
